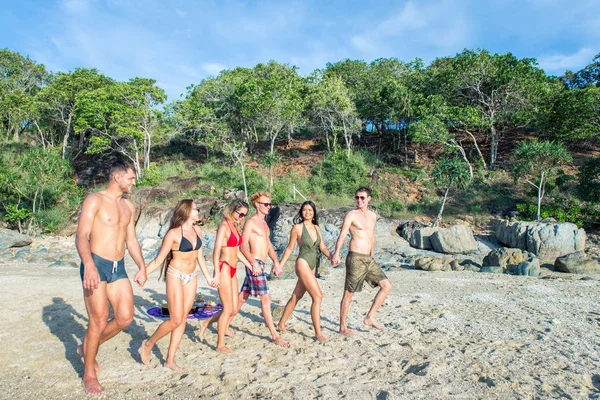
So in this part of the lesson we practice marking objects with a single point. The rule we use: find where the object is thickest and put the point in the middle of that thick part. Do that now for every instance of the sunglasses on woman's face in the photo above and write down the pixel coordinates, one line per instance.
(360, 197)
(241, 215)
(265, 204)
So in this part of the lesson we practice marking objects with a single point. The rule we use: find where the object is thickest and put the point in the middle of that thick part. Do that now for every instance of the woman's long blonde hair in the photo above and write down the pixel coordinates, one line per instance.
(181, 213)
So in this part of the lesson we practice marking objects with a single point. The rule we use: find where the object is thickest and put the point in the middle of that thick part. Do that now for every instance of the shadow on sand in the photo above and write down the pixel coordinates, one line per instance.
(62, 320)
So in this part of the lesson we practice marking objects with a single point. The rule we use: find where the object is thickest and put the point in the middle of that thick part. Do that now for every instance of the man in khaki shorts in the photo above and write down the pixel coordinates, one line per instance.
(360, 265)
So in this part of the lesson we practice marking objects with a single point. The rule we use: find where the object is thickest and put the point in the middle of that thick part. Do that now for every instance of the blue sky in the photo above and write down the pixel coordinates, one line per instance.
(180, 42)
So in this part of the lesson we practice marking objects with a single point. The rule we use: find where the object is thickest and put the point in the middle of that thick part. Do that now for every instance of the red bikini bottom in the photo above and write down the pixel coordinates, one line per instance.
(232, 270)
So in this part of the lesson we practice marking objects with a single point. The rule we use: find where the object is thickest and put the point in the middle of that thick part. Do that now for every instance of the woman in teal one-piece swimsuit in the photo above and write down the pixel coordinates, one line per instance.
(307, 234)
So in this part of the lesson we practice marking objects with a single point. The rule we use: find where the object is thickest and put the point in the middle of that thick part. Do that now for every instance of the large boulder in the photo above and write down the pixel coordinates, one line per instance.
(506, 258)
(577, 263)
(421, 238)
(10, 238)
(406, 229)
(153, 222)
(455, 240)
(546, 240)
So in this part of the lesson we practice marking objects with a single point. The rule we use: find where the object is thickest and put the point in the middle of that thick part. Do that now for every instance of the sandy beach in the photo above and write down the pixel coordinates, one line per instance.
(448, 335)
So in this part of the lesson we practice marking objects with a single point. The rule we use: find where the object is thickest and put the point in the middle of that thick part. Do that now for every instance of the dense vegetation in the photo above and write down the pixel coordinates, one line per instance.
(463, 123)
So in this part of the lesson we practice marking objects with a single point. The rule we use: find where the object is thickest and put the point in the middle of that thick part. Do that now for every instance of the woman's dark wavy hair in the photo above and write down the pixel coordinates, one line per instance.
(298, 218)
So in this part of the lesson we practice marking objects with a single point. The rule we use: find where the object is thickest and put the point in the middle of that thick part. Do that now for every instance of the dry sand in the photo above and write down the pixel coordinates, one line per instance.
(448, 335)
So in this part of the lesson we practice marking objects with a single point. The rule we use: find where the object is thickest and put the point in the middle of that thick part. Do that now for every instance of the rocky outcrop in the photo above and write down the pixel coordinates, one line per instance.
(445, 263)
(577, 263)
(546, 240)
(455, 240)
(506, 257)
(512, 261)
(9, 238)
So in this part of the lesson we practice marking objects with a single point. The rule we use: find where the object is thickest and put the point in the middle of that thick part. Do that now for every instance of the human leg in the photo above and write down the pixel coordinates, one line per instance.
(265, 305)
(344, 306)
(226, 296)
(309, 281)
(188, 293)
(385, 286)
(96, 303)
(235, 301)
(297, 294)
(120, 297)
(175, 302)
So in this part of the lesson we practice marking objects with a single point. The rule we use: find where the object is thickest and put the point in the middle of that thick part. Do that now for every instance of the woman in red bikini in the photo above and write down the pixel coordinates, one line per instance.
(225, 257)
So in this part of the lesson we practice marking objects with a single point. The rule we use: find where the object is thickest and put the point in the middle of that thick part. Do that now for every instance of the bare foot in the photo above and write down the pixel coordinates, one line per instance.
(96, 365)
(145, 352)
(347, 332)
(203, 327)
(229, 332)
(92, 386)
(173, 366)
(278, 340)
(224, 349)
(282, 329)
(321, 338)
(373, 323)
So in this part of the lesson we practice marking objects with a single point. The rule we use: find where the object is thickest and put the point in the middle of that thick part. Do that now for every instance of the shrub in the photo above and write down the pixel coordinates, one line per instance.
(572, 214)
(341, 174)
(589, 180)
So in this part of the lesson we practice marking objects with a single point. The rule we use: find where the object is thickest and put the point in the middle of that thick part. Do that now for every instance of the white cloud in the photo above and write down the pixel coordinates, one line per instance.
(559, 63)
(435, 28)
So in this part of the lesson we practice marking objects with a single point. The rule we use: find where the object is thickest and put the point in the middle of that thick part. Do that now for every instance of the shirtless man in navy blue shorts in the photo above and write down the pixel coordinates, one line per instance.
(105, 229)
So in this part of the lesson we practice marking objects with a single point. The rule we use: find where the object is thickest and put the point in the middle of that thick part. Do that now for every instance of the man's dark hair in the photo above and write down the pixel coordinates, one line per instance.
(363, 189)
(120, 166)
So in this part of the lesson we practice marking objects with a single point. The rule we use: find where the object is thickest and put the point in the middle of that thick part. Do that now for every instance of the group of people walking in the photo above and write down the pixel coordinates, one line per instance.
(106, 228)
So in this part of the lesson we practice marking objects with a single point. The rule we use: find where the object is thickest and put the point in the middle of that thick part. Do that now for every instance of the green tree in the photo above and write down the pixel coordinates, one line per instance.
(500, 87)
(121, 117)
(447, 174)
(589, 180)
(332, 111)
(20, 80)
(35, 179)
(588, 76)
(538, 160)
(60, 98)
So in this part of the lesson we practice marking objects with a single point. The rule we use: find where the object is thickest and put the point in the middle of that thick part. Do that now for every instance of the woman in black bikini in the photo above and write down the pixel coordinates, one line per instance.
(181, 250)
(225, 257)
(307, 234)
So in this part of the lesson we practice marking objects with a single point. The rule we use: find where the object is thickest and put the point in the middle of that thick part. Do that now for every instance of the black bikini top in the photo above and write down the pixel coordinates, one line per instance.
(185, 246)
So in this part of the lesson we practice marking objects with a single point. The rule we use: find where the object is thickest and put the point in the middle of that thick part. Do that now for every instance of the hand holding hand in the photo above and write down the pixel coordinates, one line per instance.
(213, 282)
(277, 269)
(335, 259)
(140, 277)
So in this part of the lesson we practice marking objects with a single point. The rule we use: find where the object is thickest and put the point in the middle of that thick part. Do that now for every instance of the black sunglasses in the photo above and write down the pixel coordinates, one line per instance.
(360, 197)
(265, 204)
(241, 215)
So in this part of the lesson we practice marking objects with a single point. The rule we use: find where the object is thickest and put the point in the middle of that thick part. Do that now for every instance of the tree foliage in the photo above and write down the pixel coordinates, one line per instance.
(536, 161)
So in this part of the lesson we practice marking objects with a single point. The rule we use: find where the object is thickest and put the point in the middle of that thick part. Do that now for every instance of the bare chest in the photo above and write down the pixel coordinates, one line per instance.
(114, 215)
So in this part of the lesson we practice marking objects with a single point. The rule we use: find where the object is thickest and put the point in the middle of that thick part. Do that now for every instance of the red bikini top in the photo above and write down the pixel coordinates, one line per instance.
(233, 240)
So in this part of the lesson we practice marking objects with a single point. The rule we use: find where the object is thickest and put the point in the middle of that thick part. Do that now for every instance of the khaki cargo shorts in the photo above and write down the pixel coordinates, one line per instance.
(361, 268)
